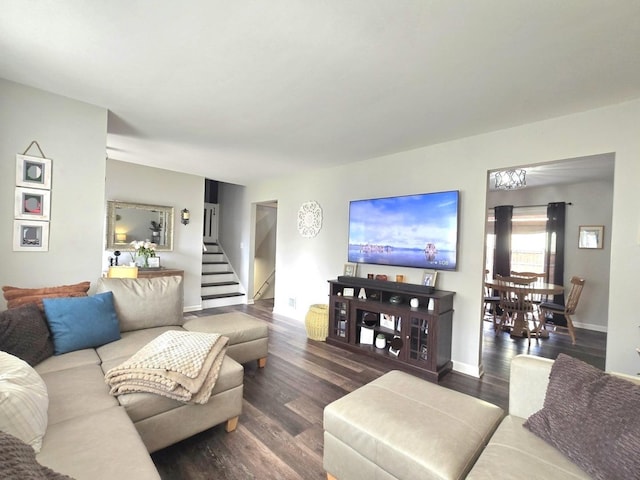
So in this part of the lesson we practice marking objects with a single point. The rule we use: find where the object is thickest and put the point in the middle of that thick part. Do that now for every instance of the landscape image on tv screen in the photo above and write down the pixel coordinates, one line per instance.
(411, 231)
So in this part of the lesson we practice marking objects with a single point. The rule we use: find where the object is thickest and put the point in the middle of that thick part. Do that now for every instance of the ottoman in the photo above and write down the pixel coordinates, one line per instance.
(402, 427)
(248, 336)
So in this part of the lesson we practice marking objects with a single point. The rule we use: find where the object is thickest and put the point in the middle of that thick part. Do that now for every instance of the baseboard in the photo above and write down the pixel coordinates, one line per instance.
(590, 326)
(194, 308)
(472, 370)
(287, 312)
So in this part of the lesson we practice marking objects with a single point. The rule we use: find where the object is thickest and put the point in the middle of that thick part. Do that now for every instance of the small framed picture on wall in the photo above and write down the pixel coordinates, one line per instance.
(591, 236)
(32, 204)
(33, 172)
(30, 236)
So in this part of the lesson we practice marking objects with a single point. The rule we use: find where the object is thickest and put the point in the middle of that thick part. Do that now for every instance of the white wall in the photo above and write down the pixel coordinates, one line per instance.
(236, 223)
(305, 265)
(128, 182)
(592, 204)
(73, 135)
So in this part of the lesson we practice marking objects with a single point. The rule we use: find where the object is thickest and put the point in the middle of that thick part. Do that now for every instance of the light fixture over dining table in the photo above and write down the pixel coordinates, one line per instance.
(510, 179)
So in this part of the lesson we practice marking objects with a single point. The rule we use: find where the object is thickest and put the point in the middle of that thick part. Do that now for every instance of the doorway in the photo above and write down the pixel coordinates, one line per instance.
(586, 183)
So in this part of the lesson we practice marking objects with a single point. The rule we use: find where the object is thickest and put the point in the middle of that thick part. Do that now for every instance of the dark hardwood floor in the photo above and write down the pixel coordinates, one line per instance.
(279, 435)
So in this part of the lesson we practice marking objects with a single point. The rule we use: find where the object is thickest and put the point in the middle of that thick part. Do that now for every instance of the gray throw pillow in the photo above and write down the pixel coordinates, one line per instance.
(18, 461)
(25, 334)
(593, 418)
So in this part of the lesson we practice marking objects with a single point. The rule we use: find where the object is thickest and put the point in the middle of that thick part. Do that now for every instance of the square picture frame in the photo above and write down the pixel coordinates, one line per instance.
(429, 278)
(33, 172)
(32, 204)
(350, 269)
(387, 321)
(154, 262)
(591, 236)
(30, 236)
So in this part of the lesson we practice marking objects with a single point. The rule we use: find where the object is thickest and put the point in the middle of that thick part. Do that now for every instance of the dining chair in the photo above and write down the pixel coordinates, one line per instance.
(567, 310)
(122, 271)
(491, 301)
(515, 302)
(536, 298)
(537, 277)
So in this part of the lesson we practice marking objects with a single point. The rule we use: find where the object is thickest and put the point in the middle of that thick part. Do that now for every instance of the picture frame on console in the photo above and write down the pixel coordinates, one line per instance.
(387, 321)
(350, 269)
(154, 262)
(429, 278)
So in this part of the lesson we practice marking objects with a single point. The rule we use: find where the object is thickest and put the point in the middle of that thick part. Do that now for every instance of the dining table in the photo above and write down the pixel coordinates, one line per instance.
(535, 289)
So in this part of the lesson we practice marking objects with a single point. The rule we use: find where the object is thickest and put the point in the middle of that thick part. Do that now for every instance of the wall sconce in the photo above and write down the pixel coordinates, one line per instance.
(121, 237)
(184, 216)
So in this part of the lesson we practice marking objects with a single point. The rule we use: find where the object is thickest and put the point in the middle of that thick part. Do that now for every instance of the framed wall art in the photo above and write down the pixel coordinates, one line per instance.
(32, 204)
(30, 236)
(33, 172)
(591, 236)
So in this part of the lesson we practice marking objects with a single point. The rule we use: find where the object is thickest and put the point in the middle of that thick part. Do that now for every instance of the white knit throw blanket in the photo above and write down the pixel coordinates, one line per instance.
(177, 364)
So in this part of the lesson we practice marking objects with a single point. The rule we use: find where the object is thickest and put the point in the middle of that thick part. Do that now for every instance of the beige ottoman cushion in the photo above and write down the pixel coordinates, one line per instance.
(409, 428)
(248, 336)
(146, 405)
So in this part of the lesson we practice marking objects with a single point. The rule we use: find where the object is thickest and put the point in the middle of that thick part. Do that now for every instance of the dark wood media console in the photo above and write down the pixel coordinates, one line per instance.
(419, 337)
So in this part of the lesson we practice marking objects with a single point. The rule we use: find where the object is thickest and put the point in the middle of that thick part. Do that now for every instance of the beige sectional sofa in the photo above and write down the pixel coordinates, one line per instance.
(94, 435)
(401, 427)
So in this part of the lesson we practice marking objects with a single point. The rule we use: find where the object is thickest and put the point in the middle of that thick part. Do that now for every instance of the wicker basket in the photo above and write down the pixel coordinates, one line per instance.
(317, 322)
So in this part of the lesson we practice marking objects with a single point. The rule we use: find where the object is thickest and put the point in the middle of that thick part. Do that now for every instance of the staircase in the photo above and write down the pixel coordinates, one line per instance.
(220, 286)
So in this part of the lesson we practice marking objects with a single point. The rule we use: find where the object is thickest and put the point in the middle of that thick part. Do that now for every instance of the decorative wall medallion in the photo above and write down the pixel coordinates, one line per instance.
(309, 219)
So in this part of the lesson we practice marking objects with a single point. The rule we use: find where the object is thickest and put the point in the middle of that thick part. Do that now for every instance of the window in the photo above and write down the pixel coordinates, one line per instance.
(528, 239)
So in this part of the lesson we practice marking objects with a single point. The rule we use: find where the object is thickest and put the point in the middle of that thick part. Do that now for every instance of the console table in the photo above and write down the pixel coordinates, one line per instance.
(159, 272)
(417, 337)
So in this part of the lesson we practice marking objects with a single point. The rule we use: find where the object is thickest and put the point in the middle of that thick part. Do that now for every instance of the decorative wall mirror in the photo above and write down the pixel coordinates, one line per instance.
(127, 222)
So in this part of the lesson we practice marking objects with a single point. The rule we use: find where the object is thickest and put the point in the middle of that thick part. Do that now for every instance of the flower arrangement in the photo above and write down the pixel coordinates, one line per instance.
(143, 248)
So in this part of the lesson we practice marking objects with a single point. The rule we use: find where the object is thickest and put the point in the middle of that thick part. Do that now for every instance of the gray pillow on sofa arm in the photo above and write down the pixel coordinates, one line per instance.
(146, 302)
(593, 418)
(18, 460)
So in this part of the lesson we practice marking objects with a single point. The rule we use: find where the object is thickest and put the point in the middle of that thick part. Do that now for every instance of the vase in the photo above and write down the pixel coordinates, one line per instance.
(142, 261)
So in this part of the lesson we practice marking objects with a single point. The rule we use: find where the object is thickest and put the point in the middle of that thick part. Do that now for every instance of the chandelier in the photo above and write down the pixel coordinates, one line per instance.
(510, 179)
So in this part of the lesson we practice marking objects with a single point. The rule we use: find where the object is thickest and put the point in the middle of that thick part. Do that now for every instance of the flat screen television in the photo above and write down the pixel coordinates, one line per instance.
(418, 231)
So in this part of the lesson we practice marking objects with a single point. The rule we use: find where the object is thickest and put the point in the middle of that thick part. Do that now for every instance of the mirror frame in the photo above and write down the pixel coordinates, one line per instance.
(112, 205)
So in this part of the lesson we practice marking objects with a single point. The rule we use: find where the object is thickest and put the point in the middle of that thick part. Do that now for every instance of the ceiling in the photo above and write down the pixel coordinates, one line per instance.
(243, 90)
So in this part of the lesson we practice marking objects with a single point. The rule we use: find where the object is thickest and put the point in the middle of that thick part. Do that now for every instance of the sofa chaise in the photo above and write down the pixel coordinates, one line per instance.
(94, 435)
(402, 427)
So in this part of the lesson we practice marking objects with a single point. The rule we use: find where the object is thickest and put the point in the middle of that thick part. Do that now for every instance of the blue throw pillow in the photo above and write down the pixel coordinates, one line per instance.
(81, 322)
